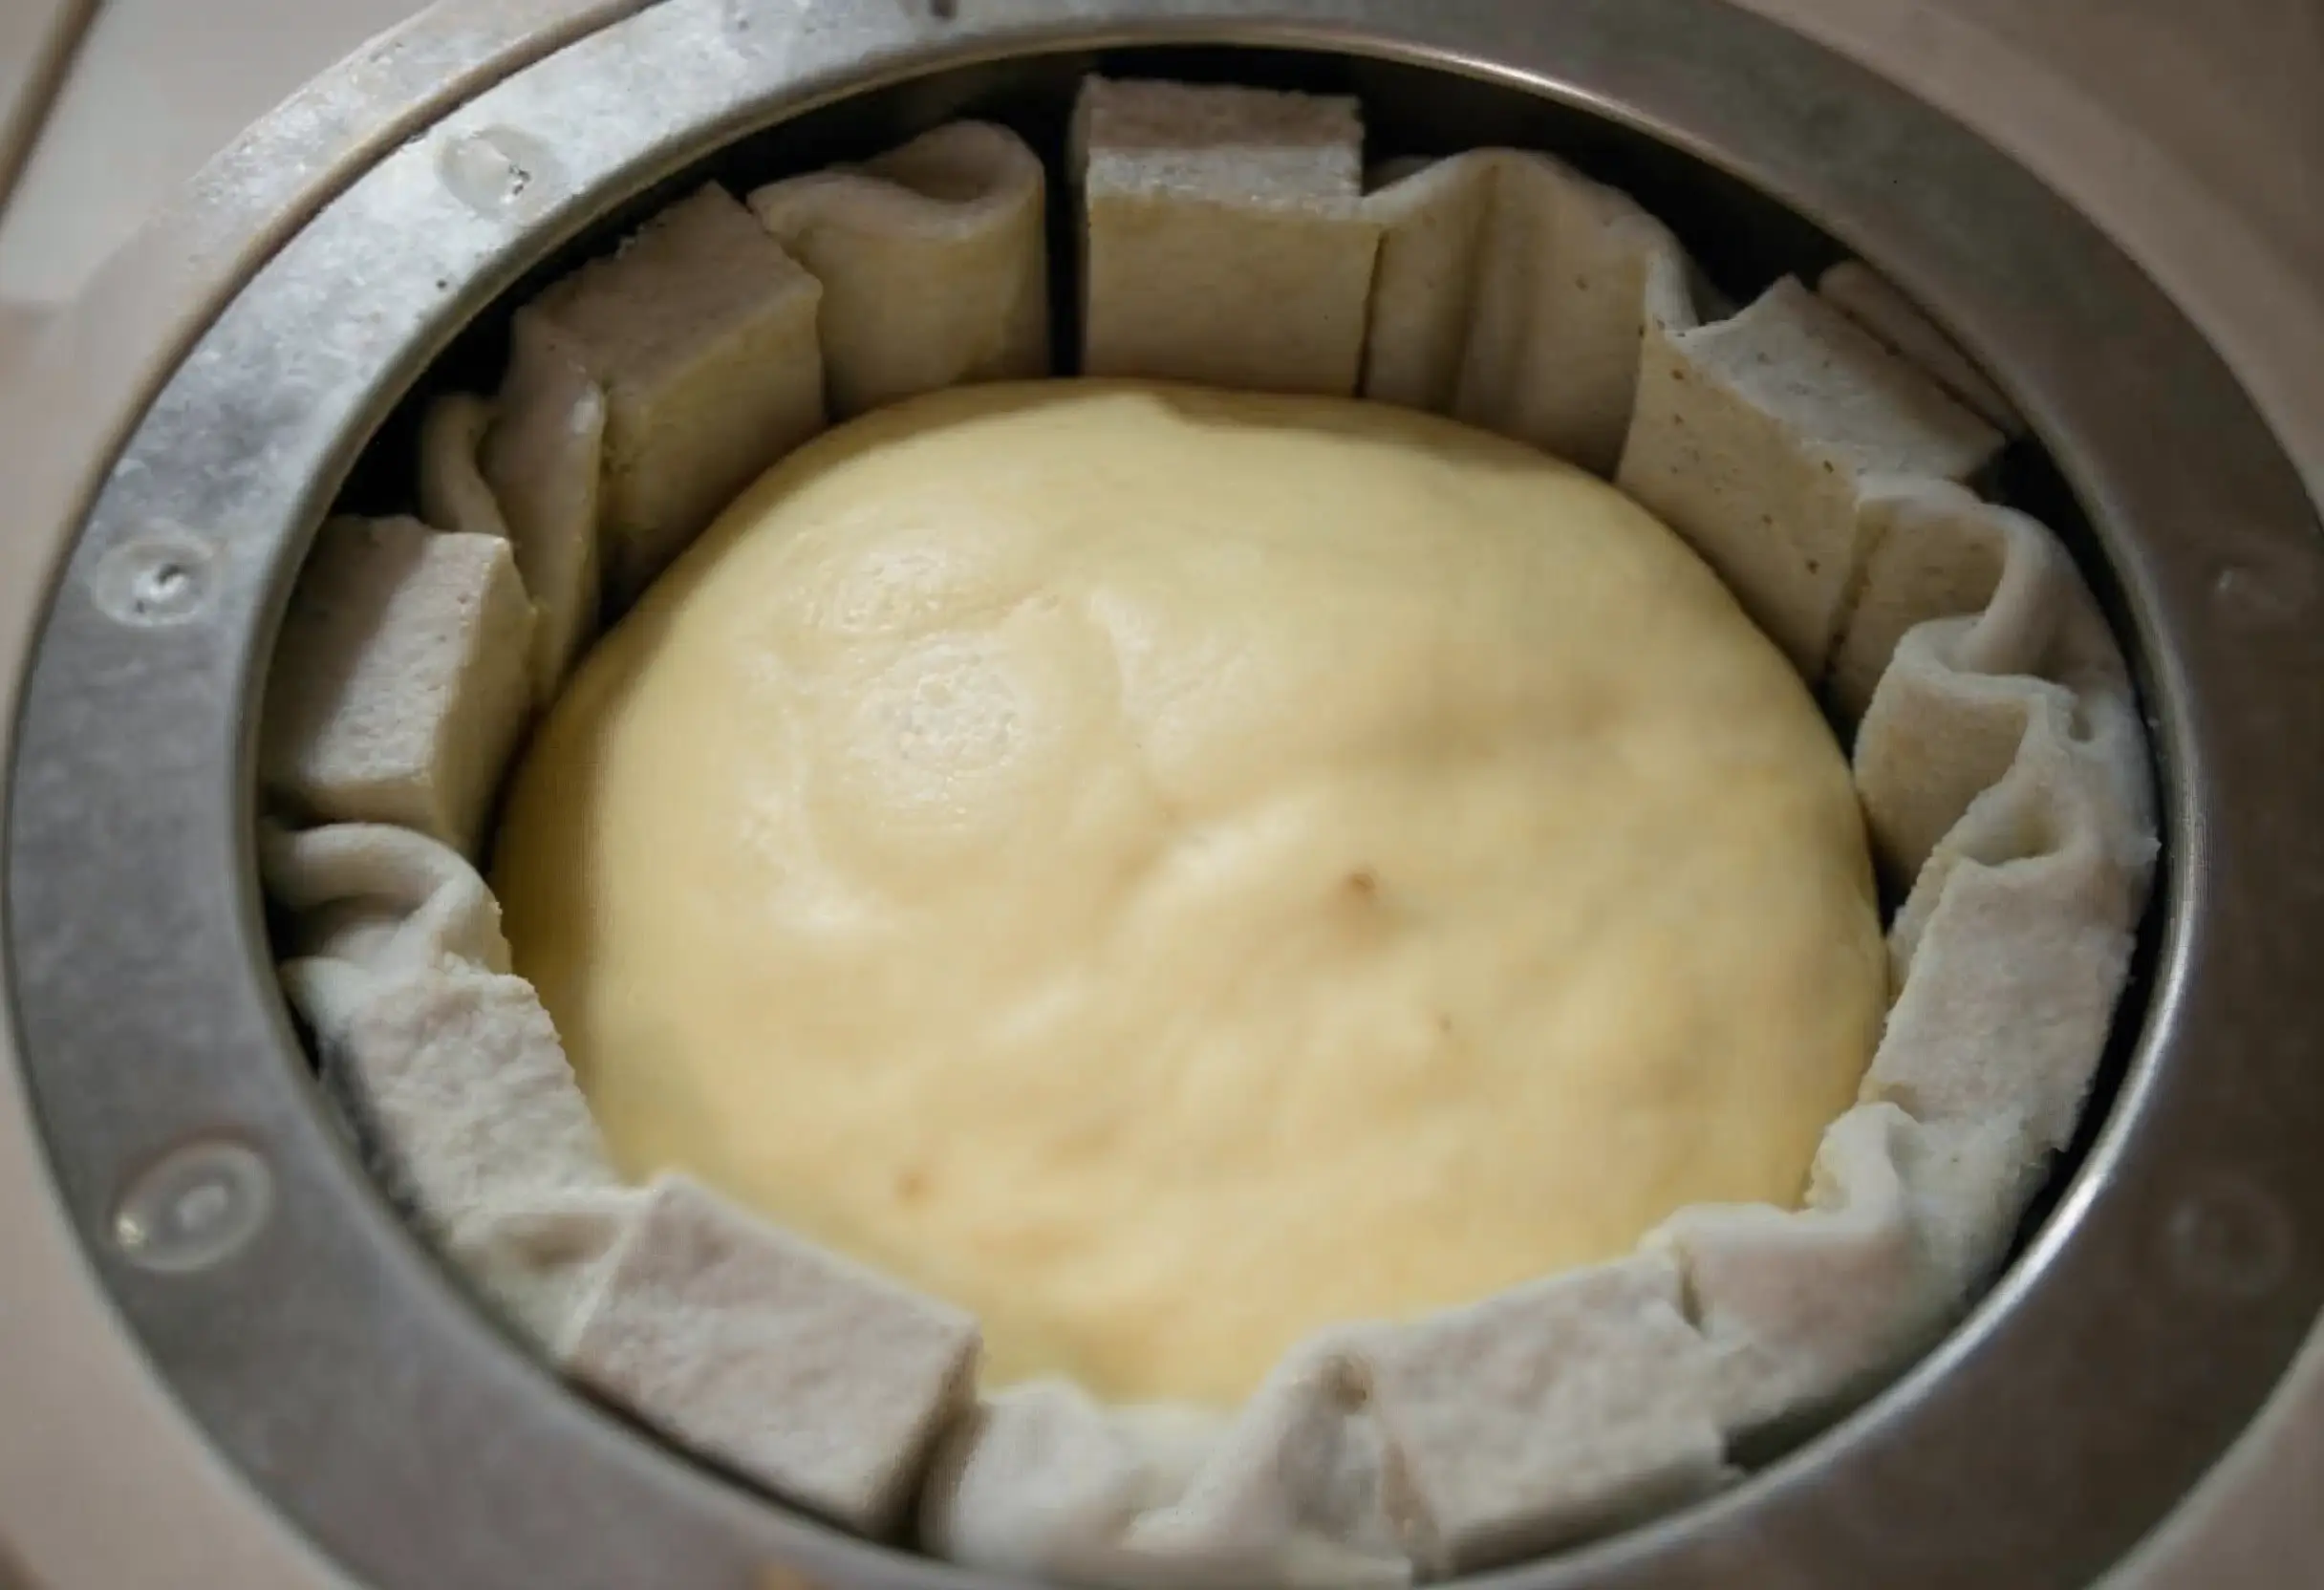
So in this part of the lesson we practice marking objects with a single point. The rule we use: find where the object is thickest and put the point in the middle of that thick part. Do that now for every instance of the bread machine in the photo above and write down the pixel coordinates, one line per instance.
(225, 1360)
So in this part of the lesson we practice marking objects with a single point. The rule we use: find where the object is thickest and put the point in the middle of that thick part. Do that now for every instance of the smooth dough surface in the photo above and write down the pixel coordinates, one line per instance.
(1170, 871)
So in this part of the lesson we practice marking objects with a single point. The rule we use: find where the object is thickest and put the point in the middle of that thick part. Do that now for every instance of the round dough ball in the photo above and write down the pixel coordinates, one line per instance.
(1172, 869)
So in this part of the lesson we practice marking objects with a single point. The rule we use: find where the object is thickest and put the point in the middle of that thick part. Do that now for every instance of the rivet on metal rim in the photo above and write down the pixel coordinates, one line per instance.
(499, 172)
(757, 26)
(788, 31)
(164, 577)
(196, 1207)
(2229, 1239)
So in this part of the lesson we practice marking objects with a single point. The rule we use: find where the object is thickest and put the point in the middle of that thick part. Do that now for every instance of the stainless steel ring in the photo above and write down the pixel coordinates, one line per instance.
(328, 1356)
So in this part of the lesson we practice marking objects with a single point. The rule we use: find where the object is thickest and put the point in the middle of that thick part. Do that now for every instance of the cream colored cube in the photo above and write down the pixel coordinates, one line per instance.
(1873, 302)
(700, 331)
(525, 468)
(1224, 239)
(823, 1381)
(398, 687)
(543, 458)
(1753, 437)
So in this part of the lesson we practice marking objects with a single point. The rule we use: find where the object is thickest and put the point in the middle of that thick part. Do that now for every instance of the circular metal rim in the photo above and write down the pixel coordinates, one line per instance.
(2158, 1305)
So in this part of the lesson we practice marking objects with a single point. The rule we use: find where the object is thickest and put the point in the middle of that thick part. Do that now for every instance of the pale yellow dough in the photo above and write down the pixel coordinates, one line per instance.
(1170, 870)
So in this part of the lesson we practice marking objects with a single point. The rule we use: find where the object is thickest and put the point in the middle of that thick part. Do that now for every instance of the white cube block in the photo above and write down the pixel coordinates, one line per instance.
(700, 331)
(821, 1380)
(1752, 437)
(1546, 1414)
(544, 458)
(1300, 1489)
(399, 686)
(1224, 239)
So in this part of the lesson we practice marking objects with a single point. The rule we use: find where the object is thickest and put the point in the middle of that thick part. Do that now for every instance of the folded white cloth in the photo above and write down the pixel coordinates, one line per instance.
(933, 260)
(1515, 293)
(399, 686)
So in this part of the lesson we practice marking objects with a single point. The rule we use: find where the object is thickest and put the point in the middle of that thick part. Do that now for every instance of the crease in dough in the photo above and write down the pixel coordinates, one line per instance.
(2016, 940)
(1373, 1455)
(1296, 1489)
